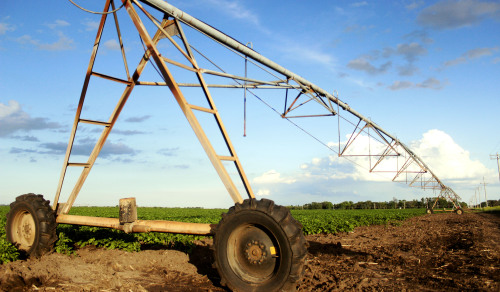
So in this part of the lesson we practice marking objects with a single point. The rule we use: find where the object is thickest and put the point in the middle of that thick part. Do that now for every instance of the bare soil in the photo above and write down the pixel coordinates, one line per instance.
(434, 252)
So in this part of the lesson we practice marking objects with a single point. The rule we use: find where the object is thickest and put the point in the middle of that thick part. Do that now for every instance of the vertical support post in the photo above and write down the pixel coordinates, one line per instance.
(128, 210)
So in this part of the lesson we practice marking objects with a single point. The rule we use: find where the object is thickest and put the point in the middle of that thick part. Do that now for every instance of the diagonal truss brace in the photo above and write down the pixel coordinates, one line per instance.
(424, 176)
(413, 170)
(188, 109)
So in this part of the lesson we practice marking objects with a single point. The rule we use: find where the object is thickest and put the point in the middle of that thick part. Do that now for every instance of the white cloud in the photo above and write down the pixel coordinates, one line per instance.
(58, 23)
(263, 193)
(62, 44)
(90, 25)
(236, 10)
(333, 175)
(5, 27)
(359, 4)
(411, 51)
(397, 85)
(13, 119)
(447, 159)
(272, 177)
(308, 53)
(450, 14)
(362, 64)
(9, 109)
(414, 5)
(470, 55)
(429, 83)
(112, 45)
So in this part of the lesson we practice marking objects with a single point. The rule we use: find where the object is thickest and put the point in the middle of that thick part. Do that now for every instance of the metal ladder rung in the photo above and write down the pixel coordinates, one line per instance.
(228, 158)
(106, 124)
(111, 78)
(78, 164)
(203, 109)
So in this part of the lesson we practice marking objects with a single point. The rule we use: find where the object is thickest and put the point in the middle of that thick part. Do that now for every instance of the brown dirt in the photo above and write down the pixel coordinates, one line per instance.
(428, 253)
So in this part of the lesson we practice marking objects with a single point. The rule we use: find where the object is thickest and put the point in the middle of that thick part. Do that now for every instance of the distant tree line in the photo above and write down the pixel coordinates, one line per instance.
(491, 203)
(393, 204)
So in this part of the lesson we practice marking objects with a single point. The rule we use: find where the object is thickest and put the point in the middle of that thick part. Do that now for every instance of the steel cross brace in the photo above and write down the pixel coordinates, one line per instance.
(131, 82)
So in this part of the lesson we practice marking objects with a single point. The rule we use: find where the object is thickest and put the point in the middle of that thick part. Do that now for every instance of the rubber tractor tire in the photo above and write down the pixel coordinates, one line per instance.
(31, 225)
(459, 211)
(259, 246)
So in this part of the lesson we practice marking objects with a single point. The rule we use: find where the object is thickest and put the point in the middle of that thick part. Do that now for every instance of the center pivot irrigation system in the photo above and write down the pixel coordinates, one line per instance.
(258, 245)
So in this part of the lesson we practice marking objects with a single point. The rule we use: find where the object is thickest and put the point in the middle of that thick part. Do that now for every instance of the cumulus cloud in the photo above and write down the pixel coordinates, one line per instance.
(362, 64)
(122, 132)
(448, 159)
(263, 192)
(451, 14)
(58, 23)
(408, 70)
(85, 147)
(112, 45)
(334, 178)
(13, 119)
(410, 52)
(308, 53)
(397, 85)
(169, 151)
(414, 5)
(5, 27)
(429, 83)
(235, 9)
(470, 55)
(90, 25)
(420, 35)
(26, 138)
(359, 4)
(137, 119)
(62, 44)
(272, 177)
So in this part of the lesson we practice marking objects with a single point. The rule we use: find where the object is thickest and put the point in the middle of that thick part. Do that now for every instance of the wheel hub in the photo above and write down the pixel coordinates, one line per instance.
(255, 252)
(26, 230)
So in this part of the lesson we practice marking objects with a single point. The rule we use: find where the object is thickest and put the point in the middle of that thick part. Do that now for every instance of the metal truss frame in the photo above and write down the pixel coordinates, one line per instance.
(386, 149)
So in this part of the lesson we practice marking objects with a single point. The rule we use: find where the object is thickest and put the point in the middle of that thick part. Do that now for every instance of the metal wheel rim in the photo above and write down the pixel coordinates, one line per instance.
(24, 230)
(253, 253)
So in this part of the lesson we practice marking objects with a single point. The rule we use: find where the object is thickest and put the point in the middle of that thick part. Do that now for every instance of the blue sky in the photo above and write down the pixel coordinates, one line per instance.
(428, 72)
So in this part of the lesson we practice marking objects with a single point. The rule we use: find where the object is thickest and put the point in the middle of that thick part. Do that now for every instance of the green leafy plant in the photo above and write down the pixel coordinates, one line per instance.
(72, 237)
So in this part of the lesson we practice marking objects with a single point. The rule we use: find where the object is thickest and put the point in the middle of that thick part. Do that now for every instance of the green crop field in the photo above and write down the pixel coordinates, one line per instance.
(72, 237)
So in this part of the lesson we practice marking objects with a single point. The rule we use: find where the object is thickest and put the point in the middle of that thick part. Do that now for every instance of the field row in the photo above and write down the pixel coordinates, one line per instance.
(72, 237)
